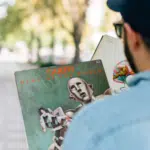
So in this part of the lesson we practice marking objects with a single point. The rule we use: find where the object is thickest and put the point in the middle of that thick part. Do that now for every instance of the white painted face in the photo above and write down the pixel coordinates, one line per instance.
(43, 111)
(80, 90)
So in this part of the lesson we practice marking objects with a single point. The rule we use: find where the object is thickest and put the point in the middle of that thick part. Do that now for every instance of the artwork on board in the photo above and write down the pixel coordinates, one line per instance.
(122, 73)
(50, 97)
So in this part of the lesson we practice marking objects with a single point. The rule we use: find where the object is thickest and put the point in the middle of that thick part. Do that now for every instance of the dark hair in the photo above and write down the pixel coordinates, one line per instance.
(146, 41)
(42, 109)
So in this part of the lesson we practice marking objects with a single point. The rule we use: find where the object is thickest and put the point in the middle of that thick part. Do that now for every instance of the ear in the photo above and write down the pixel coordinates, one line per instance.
(133, 38)
(71, 96)
(91, 86)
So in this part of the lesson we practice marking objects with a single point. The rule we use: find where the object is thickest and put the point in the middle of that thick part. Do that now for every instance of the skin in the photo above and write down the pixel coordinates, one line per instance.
(42, 111)
(80, 90)
(138, 52)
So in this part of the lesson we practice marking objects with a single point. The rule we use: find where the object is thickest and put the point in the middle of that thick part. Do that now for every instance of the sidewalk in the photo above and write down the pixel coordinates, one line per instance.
(12, 133)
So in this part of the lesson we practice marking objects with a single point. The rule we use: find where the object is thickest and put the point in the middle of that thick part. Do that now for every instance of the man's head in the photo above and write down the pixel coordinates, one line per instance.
(136, 31)
(42, 110)
(80, 90)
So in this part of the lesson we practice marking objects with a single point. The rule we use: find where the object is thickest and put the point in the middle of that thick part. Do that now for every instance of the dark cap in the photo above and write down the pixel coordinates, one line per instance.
(134, 12)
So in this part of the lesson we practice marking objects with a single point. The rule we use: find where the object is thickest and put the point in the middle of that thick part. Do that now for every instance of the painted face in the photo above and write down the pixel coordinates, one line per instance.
(80, 90)
(42, 111)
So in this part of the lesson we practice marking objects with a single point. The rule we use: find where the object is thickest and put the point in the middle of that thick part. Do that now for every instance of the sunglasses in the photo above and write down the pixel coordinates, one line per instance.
(119, 28)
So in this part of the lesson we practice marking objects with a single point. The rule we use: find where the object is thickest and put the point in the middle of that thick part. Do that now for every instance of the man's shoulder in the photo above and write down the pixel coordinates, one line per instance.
(104, 117)
(115, 110)
(93, 119)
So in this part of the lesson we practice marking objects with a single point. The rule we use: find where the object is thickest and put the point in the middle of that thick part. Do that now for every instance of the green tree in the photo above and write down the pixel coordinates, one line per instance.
(75, 11)
(10, 24)
(62, 19)
(70, 15)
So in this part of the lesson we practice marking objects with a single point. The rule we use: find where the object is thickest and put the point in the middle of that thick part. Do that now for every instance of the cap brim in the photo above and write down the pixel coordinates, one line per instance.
(115, 5)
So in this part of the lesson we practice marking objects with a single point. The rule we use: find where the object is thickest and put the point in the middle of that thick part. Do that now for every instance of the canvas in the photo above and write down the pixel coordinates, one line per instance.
(50, 97)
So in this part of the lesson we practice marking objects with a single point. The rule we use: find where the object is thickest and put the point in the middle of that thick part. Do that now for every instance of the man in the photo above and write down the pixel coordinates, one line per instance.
(56, 121)
(82, 92)
(121, 122)
(51, 119)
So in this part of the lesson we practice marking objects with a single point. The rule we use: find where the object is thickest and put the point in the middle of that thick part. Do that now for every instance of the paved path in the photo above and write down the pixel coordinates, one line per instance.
(12, 132)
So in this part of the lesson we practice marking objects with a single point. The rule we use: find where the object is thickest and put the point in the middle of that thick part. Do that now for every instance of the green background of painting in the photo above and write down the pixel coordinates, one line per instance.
(51, 94)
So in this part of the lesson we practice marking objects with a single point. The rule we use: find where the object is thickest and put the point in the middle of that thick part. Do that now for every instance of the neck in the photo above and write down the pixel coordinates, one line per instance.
(143, 61)
(142, 67)
(92, 99)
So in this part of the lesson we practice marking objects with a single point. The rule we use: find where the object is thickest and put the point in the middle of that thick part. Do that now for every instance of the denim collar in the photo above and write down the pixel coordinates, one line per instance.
(139, 77)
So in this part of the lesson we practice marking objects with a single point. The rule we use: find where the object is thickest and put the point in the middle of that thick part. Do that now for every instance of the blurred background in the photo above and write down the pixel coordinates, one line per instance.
(39, 33)
(52, 32)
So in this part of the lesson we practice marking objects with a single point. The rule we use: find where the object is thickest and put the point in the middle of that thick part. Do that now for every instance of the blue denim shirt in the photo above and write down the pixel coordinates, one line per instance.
(119, 122)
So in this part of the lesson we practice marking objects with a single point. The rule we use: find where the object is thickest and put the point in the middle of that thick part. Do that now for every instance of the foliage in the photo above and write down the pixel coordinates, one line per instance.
(109, 18)
(45, 22)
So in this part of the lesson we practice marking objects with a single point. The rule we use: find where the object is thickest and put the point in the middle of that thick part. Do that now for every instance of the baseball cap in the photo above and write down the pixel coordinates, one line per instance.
(134, 12)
